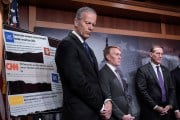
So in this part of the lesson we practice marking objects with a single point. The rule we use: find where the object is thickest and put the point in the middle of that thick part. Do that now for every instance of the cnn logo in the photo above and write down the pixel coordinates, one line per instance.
(12, 66)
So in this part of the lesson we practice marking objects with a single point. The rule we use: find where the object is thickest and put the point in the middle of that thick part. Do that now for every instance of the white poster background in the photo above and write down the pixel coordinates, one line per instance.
(32, 72)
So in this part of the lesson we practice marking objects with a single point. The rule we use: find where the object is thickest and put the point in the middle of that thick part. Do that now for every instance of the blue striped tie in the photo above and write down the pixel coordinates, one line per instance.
(88, 51)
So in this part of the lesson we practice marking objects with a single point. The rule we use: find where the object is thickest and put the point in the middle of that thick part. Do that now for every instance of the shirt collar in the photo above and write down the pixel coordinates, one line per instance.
(77, 35)
(111, 67)
(154, 65)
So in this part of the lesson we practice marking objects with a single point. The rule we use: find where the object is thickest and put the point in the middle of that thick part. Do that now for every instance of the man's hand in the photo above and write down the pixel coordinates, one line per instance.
(177, 114)
(107, 111)
(167, 108)
(164, 110)
(160, 110)
(128, 117)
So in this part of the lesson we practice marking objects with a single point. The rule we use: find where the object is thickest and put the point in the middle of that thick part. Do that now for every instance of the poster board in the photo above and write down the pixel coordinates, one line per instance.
(33, 84)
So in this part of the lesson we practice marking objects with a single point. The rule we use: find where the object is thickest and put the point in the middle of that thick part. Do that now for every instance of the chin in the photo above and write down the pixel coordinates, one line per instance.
(87, 37)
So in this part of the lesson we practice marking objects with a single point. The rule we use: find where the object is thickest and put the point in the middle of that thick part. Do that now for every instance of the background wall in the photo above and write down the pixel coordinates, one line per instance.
(135, 53)
(134, 26)
(145, 20)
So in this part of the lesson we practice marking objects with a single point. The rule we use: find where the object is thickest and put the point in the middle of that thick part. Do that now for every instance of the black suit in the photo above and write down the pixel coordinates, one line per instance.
(112, 89)
(176, 79)
(149, 92)
(82, 95)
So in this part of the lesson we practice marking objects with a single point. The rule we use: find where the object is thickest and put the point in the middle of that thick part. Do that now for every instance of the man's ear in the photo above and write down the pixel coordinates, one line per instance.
(76, 22)
(108, 57)
(151, 54)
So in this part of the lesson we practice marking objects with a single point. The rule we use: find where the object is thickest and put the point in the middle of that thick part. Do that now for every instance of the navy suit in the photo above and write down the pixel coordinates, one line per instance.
(149, 92)
(82, 95)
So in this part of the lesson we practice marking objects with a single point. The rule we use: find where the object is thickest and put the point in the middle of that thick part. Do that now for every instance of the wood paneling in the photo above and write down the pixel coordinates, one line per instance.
(1, 40)
(103, 21)
(130, 9)
(173, 29)
(128, 24)
(60, 19)
(32, 18)
(24, 17)
(170, 5)
(54, 15)
(108, 30)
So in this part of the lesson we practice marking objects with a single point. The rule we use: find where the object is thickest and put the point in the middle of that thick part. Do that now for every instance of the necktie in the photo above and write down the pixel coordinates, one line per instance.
(161, 83)
(88, 51)
(119, 78)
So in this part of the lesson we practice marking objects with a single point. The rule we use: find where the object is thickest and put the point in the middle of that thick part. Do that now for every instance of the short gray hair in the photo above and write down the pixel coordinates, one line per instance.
(82, 10)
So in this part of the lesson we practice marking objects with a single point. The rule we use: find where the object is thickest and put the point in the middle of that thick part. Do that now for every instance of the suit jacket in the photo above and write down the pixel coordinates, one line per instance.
(149, 91)
(176, 79)
(113, 90)
(82, 95)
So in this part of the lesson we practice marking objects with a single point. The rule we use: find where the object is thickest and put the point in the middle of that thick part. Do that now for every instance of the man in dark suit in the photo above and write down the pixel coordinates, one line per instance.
(176, 79)
(113, 86)
(154, 88)
(78, 69)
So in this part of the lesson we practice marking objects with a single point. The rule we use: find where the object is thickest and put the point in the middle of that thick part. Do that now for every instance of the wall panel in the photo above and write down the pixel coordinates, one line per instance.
(173, 29)
(23, 17)
(51, 17)
(54, 15)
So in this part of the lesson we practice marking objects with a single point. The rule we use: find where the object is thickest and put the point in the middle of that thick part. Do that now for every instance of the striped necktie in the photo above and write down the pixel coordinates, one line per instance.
(119, 78)
(88, 52)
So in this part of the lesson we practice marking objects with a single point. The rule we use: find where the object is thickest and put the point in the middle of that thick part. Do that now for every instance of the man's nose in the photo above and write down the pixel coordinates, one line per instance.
(91, 26)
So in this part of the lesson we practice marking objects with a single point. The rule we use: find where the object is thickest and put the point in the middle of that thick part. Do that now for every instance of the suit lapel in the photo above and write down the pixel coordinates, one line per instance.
(114, 77)
(152, 72)
(83, 51)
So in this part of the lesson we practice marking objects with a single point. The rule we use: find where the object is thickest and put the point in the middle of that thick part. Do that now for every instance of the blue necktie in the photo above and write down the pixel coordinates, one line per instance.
(88, 51)
(161, 83)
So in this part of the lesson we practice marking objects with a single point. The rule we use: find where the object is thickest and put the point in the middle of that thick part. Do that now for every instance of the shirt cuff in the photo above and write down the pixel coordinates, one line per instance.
(107, 100)
(102, 109)
(176, 111)
(104, 103)
(155, 107)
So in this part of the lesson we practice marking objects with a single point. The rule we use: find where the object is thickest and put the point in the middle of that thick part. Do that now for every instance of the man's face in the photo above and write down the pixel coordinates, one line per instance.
(85, 25)
(114, 57)
(156, 55)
